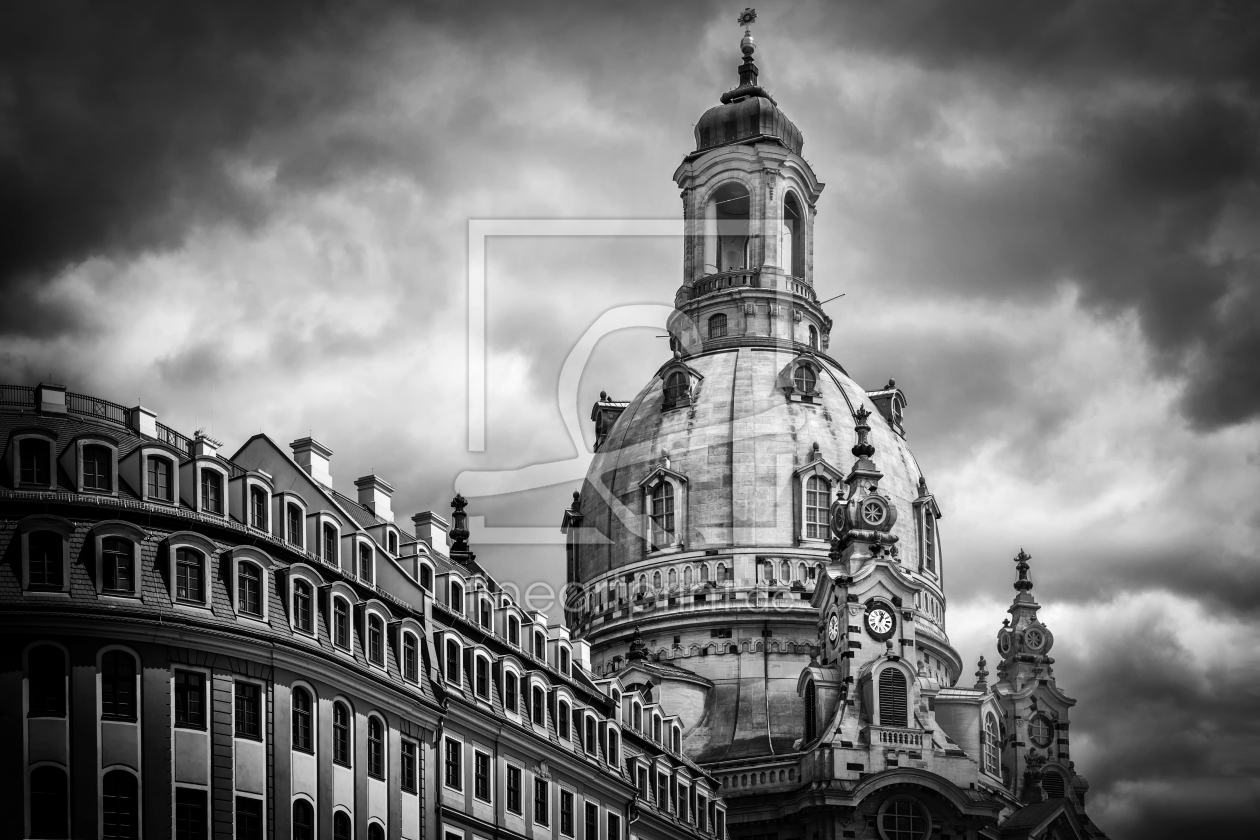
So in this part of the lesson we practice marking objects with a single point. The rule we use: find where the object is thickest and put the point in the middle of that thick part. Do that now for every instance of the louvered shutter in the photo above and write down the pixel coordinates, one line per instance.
(811, 725)
(892, 698)
(1052, 784)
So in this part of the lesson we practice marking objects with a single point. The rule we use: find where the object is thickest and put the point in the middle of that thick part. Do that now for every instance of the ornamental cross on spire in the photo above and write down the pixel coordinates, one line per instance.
(747, 17)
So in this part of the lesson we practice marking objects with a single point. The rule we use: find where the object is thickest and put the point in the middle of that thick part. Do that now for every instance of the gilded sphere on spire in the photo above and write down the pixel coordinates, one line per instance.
(747, 45)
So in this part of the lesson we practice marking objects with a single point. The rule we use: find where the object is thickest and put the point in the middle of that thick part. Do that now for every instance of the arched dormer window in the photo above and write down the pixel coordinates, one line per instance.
(118, 565)
(562, 720)
(341, 622)
(893, 707)
(800, 379)
(636, 716)
(717, 326)
(514, 631)
(410, 656)
(511, 699)
(992, 745)
(426, 577)
(564, 661)
(656, 582)
(656, 728)
(258, 508)
(664, 509)
(677, 740)
(457, 597)
(34, 462)
(392, 542)
(677, 389)
(805, 380)
(303, 719)
(45, 543)
(328, 544)
(249, 589)
(293, 518)
(454, 655)
(97, 470)
(540, 645)
(481, 676)
(159, 478)
(376, 747)
(303, 606)
(210, 499)
(614, 751)
(365, 570)
(190, 575)
(538, 706)
(704, 572)
(813, 337)
(342, 736)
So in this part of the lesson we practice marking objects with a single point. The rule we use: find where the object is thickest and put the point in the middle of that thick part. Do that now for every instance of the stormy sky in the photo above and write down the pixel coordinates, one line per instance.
(1045, 217)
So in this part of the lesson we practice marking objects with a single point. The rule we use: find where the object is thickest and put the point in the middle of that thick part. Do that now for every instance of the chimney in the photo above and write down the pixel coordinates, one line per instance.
(582, 654)
(204, 445)
(374, 494)
(313, 456)
(143, 421)
(50, 398)
(432, 530)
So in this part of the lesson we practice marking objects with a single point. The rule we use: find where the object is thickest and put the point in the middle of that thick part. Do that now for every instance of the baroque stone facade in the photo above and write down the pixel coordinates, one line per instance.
(199, 645)
(756, 547)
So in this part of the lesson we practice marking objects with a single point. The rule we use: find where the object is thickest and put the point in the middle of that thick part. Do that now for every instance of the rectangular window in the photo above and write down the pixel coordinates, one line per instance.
(35, 455)
(118, 686)
(248, 702)
(481, 776)
(566, 813)
(643, 787)
(118, 565)
(365, 563)
(541, 815)
(702, 813)
(409, 767)
(719, 823)
(614, 826)
(591, 827)
(485, 614)
(330, 544)
(454, 754)
(452, 662)
(190, 814)
(514, 631)
(211, 491)
(158, 473)
(589, 741)
(190, 699)
(257, 508)
(410, 658)
(45, 567)
(509, 691)
(249, 822)
(376, 641)
(514, 789)
(249, 589)
(97, 469)
(302, 606)
(483, 678)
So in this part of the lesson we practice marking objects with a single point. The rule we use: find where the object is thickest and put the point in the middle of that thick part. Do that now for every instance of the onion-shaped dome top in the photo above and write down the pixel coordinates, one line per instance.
(748, 112)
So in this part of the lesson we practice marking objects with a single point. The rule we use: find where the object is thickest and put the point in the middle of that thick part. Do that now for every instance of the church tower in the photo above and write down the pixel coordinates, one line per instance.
(756, 549)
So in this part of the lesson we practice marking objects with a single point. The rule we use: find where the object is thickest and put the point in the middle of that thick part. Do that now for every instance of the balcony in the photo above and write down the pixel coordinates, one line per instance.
(897, 737)
(749, 278)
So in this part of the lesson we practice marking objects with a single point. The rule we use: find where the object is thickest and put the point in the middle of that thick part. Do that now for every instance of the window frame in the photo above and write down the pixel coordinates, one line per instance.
(174, 460)
(190, 541)
(513, 710)
(423, 565)
(49, 439)
(202, 467)
(63, 530)
(348, 729)
(81, 445)
(137, 668)
(647, 489)
(374, 626)
(255, 486)
(482, 663)
(312, 722)
(410, 630)
(457, 765)
(364, 548)
(138, 804)
(409, 765)
(377, 769)
(203, 703)
(289, 500)
(514, 793)
(116, 529)
(478, 778)
(453, 675)
(240, 730)
(241, 556)
(324, 524)
(542, 802)
(571, 797)
(338, 595)
(717, 326)
(62, 712)
(925, 817)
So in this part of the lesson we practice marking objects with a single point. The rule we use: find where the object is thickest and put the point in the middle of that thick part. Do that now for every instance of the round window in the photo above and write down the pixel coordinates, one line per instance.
(902, 818)
(805, 379)
(1040, 731)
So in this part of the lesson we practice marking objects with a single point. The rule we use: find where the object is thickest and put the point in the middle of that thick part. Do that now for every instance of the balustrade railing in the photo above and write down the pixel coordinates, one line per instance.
(169, 436)
(895, 736)
(97, 409)
(22, 396)
(740, 278)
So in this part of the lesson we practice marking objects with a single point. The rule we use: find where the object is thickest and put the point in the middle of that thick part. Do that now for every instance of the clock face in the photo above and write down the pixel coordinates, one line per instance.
(1034, 638)
(880, 622)
(833, 628)
(874, 512)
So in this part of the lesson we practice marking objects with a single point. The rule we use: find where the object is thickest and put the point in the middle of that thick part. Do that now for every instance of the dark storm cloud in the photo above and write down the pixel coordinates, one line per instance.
(1158, 150)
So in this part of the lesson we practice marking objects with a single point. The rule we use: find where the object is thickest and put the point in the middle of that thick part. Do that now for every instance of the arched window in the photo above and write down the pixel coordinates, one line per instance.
(510, 701)
(158, 484)
(118, 565)
(673, 579)
(1052, 784)
(376, 748)
(793, 258)
(817, 501)
(562, 720)
(46, 676)
(656, 582)
(190, 576)
(341, 734)
(457, 598)
(34, 456)
(341, 623)
(564, 661)
(302, 720)
(514, 631)
(452, 661)
(98, 469)
(482, 678)
(539, 709)
(46, 556)
(411, 657)
(614, 755)
(813, 337)
(120, 806)
(540, 645)
(258, 508)
(811, 712)
(118, 685)
(677, 739)
(802, 573)
(992, 743)
(726, 228)
(662, 516)
(426, 577)
(249, 589)
(341, 826)
(676, 389)
(295, 527)
(656, 728)
(375, 832)
(642, 585)
(365, 562)
(787, 572)
(392, 542)
(804, 379)
(330, 543)
(303, 820)
(211, 491)
(892, 698)
(303, 595)
(903, 819)
(50, 807)
(687, 577)
(704, 572)
(637, 717)
(376, 640)
(717, 326)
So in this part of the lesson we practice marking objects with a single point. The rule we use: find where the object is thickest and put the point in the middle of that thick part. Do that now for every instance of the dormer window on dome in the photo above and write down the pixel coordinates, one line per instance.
(679, 383)
(799, 380)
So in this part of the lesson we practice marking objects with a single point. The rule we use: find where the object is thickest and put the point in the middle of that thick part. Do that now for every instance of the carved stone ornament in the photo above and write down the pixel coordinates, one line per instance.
(750, 308)
(774, 310)
(796, 314)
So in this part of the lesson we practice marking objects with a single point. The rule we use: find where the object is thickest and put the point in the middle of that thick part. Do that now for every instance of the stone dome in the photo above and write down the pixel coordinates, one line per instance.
(738, 446)
(753, 116)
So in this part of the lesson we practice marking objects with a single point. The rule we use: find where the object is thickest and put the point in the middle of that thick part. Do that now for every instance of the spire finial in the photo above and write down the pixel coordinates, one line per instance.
(748, 70)
(863, 448)
(982, 682)
(1023, 583)
(459, 533)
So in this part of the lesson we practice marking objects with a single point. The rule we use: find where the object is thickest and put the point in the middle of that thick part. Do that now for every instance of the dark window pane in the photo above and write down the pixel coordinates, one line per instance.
(481, 776)
(453, 764)
(257, 508)
(341, 734)
(50, 812)
(158, 478)
(46, 675)
(376, 640)
(46, 556)
(118, 685)
(410, 657)
(119, 806)
(249, 589)
(189, 576)
(211, 491)
(302, 606)
(249, 818)
(376, 748)
(341, 623)
(375, 832)
(514, 789)
(190, 699)
(566, 813)
(295, 525)
(409, 766)
(248, 702)
(34, 457)
(303, 820)
(365, 563)
(98, 469)
(541, 815)
(118, 564)
(341, 826)
(301, 719)
(190, 814)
